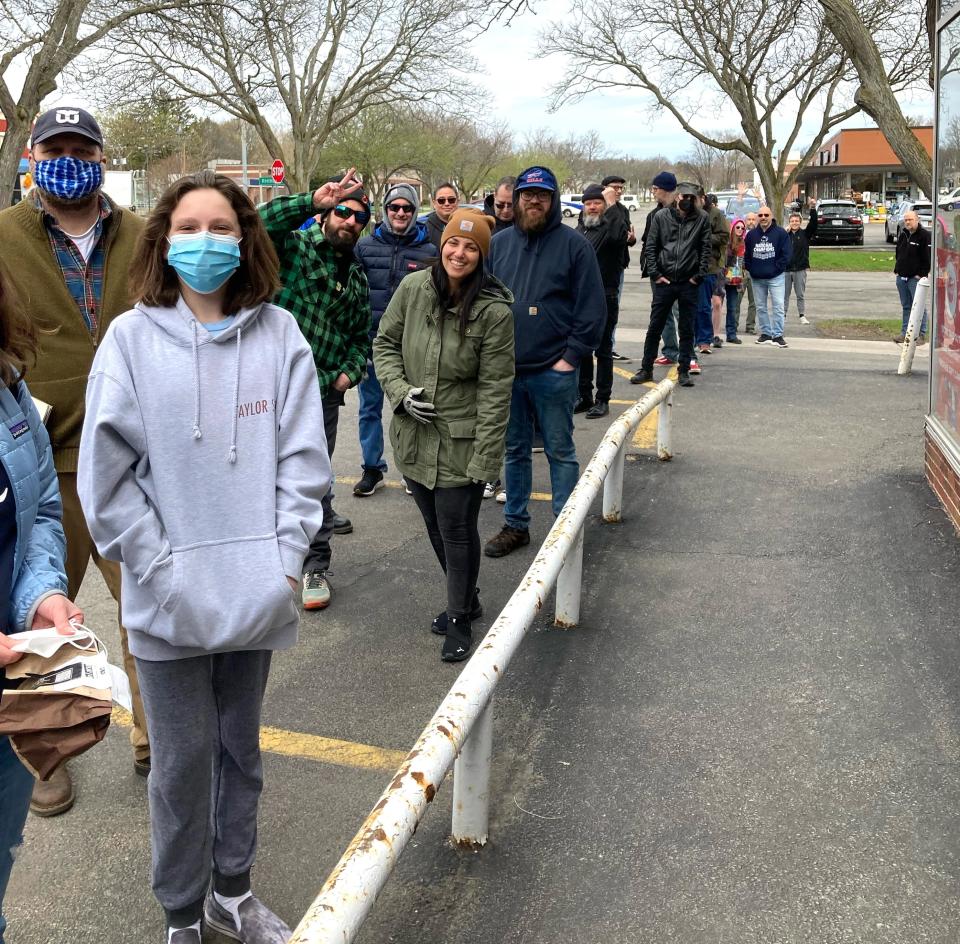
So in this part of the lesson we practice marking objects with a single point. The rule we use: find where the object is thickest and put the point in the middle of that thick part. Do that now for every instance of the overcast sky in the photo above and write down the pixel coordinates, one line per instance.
(519, 85)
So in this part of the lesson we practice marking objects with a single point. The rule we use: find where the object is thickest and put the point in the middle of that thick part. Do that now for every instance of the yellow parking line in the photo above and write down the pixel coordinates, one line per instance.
(312, 747)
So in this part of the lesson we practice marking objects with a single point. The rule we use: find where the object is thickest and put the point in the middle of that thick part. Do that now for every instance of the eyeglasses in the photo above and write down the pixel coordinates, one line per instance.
(533, 196)
(618, 187)
(763, 215)
(399, 208)
(502, 206)
(445, 201)
(345, 212)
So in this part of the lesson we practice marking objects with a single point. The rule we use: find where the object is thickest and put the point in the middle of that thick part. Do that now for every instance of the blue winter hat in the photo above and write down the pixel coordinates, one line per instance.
(665, 181)
(541, 178)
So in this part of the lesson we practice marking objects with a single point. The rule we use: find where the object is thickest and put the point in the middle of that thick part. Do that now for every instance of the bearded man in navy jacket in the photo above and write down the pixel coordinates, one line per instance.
(559, 311)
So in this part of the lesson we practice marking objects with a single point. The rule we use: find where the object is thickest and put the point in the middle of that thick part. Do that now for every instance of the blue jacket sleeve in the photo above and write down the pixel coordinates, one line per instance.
(42, 572)
(590, 314)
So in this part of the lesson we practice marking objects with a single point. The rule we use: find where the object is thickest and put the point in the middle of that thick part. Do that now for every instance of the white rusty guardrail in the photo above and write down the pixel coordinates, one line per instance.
(463, 724)
(913, 327)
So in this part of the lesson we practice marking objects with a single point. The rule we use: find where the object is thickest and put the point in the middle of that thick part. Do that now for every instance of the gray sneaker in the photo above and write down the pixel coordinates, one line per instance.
(258, 924)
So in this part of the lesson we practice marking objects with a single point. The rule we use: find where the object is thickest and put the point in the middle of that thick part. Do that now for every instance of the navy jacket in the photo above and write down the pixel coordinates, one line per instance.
(559, 307)
(767, 254)
(387, 258)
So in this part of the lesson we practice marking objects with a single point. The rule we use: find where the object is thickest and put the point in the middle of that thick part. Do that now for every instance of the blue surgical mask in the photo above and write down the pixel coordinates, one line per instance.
(69, 178)
(204, 260)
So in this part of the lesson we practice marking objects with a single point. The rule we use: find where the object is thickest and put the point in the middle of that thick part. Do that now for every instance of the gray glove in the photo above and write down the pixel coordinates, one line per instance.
(421, 410)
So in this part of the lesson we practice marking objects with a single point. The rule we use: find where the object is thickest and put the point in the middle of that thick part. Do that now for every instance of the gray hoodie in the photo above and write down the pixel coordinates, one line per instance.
(202, 467)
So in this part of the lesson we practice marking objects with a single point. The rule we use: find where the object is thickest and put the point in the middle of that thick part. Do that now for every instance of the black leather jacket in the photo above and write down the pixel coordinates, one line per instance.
(678, 248)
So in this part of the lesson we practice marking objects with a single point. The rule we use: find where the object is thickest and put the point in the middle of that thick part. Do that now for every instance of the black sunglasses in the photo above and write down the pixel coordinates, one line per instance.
(399, 208)
(502, 206)
(345, 212)
(446, 201)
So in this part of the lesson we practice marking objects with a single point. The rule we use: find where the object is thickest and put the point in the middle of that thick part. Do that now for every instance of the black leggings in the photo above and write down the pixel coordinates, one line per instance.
(451, 515)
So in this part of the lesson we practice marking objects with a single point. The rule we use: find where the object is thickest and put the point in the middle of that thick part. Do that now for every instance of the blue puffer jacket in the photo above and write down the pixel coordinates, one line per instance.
(41, 547)
(387, 258)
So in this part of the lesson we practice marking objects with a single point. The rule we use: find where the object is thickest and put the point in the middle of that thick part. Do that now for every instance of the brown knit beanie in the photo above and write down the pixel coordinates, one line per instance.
(473, 224)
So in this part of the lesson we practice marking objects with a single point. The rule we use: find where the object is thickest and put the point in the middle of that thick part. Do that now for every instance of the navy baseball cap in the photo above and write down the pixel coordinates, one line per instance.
(66, 120)
(539, 178)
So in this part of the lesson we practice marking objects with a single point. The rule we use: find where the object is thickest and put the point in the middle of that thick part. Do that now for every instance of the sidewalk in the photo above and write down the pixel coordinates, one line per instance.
(753, 738)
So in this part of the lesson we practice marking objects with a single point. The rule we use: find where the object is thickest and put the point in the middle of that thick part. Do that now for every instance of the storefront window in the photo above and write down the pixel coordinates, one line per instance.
(945, 281)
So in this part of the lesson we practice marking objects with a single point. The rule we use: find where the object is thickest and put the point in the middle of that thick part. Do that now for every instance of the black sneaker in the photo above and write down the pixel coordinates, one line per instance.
(439, 624)
(458, 641)
(734, 341)
(600, 408)
(644, 375)
(762, 339)
(507, 541)
(717, 342)
(582, 405)
(684, 379)
(184, 936)
(370, 481)
(342, 525)
(257, 922)
(618, 357)
(779, 342)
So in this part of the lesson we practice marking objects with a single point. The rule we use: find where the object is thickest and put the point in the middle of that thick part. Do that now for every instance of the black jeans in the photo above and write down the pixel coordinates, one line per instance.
(450, 515)
(686, 295)
(318, 557)
(604, 359)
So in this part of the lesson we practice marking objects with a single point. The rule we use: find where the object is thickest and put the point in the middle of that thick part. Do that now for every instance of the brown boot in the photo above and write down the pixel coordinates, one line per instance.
(509, 539)
(54, 796)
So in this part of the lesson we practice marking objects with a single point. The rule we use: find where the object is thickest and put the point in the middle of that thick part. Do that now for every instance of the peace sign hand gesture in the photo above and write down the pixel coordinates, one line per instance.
(329, 195)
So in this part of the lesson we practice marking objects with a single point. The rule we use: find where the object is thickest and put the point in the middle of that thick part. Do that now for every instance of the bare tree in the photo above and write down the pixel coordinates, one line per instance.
(46, 37)
(876, 92)
(312, 66)
(701, 164)
(776, 63)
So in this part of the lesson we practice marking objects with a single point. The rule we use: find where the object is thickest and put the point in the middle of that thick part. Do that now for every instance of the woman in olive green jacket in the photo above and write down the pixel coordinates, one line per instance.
(444, 357)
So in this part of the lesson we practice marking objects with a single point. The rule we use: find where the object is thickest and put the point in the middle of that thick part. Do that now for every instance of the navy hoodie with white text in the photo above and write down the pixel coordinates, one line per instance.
(559, 307)
(767, 254)
(202, 469)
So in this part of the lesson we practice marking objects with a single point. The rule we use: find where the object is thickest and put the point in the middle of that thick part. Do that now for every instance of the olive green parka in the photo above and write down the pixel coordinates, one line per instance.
(468, 379)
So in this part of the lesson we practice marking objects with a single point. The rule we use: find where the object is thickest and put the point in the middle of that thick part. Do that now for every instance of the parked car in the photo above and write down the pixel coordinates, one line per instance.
(839, 221)
(750, 203)
(894, 221)
(570, 207)
(949, 199)
(631, 201)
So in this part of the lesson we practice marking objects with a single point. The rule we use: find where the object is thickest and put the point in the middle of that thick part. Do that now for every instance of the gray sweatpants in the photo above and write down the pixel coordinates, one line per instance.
(798, 282)
(203, 718)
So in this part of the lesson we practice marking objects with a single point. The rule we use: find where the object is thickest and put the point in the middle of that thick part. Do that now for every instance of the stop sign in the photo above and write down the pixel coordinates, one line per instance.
(276, 171)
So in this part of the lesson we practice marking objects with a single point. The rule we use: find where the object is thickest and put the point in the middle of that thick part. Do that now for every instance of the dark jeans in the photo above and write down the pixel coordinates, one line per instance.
(704, 329)
(908, 289)
(604, 359)
(733, 310)
(685, 294)
(450, 515)
(546, 399)
(318, 557)
(370, 420)
(16, 785)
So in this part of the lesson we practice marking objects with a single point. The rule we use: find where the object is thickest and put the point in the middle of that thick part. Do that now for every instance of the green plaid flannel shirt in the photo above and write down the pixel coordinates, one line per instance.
(334, 318)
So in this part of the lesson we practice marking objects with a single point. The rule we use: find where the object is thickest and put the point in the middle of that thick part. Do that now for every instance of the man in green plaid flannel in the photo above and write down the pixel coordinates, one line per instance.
(325, 289)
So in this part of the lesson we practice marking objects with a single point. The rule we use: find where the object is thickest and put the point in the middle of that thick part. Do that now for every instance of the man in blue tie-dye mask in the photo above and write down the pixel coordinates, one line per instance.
(67, 249)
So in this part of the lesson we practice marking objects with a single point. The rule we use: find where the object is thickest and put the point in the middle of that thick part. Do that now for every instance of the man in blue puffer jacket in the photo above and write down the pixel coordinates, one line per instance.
(559, 313)
(399, 245)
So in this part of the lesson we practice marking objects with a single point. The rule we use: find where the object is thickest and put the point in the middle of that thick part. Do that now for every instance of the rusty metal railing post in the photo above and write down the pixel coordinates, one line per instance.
(664, 429)
(613, 488)
(567, 613)
(913, 327)
(471, 784)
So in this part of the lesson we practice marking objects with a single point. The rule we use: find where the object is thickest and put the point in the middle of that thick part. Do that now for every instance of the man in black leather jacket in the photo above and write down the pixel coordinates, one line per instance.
(676, 257)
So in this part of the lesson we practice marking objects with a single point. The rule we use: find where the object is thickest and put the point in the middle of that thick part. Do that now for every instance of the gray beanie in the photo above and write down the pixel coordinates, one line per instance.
(404, 192)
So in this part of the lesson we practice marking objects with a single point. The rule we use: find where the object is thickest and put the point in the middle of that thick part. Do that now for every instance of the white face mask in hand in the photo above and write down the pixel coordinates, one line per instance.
(45, 642)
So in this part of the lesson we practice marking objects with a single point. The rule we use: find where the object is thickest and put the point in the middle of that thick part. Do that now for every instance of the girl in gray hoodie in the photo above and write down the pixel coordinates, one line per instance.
(202, 469)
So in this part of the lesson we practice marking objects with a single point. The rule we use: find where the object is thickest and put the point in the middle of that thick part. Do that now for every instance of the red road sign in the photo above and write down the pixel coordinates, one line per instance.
(276, 171)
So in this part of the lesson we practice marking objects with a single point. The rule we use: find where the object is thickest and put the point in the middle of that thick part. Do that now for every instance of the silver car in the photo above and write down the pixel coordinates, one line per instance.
(894, 222)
